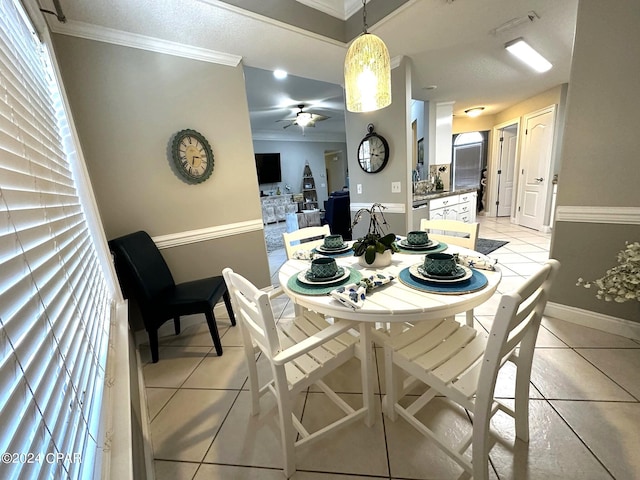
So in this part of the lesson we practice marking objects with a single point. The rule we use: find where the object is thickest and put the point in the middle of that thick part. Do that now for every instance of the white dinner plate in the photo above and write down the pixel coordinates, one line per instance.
(302, 277)
(427, 246)
(413, 270)
(323, 249)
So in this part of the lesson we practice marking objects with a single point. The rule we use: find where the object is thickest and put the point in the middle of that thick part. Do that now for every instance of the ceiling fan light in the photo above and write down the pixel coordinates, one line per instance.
(367, 74)
(528, 55)
(474, 112)
(304, 118)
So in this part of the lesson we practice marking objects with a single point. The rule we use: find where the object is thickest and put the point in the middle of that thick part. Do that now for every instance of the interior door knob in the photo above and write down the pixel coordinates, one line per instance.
(539, 179)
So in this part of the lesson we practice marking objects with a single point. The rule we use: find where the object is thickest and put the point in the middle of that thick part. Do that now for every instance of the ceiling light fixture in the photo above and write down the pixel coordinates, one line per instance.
(528, 55)
(303, 118)
(474, 112)
(280, 74)
(367, 72)
(514, 22)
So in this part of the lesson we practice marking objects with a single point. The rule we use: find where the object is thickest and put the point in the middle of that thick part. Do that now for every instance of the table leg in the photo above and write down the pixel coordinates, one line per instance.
(469, 316)
(368, 372)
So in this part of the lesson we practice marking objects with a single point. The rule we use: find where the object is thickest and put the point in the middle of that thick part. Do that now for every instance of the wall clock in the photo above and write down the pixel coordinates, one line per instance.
(373, 151)
(192, 155)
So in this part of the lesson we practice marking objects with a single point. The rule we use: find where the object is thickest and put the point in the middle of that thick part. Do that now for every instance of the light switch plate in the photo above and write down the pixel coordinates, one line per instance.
(359, 188)
(395, 187)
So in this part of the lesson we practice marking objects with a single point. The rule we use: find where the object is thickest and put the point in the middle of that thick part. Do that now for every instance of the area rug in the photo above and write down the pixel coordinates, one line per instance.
(486, 245)
(273, 236)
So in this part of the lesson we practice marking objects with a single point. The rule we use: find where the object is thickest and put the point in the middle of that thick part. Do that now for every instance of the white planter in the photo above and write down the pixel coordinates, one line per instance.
(381, 260)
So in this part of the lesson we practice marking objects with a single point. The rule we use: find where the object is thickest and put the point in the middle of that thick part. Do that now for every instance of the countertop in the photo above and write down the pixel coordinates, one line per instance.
(419, 200)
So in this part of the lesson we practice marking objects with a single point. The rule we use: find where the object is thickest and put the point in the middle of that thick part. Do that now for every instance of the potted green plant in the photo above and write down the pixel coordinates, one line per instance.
(375, 248)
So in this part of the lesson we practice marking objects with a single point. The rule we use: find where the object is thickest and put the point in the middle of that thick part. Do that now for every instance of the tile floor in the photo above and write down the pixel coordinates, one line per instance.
(585, 408)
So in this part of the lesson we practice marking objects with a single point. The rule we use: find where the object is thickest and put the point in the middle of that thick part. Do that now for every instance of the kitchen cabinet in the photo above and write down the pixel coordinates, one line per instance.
(456, 205)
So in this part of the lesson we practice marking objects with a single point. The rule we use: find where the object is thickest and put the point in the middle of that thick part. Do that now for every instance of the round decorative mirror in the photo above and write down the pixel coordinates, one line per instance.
(373, 151)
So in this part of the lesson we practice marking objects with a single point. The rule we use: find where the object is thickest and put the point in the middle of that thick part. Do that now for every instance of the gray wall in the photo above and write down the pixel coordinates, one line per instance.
(127, 104)
(394, 124)
(293, 156)
(600, 162)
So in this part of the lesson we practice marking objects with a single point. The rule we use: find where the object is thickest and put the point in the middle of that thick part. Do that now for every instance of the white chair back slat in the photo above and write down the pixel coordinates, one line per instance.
(452, 231)
(255, 310)
(300, 239)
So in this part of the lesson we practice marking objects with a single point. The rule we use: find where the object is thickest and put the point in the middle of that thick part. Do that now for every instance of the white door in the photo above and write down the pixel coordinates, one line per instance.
(506, 169)
(535, 167)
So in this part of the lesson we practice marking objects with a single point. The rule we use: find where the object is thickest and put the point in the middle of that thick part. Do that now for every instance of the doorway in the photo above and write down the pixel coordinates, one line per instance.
(337, 170)
(506, 167)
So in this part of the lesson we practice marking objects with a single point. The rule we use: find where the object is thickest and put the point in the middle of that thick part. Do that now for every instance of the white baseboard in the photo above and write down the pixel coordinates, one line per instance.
(599, 321)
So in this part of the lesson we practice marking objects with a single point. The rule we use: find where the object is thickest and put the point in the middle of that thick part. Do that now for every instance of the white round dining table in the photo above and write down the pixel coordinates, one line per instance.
(393, 303)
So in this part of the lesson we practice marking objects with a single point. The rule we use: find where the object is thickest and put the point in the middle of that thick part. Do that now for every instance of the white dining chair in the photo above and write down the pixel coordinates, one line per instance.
(304, 238)
(301, 351)
(453, 232)
(462, 364)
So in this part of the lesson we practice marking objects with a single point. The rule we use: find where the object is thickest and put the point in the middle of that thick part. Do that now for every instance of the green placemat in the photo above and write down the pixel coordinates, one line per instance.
(440, 248)
(477, 282)
(299, 287)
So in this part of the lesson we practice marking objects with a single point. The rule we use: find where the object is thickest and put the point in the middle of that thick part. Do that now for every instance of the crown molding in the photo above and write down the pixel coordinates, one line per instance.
(341, 9)
(269, 135)
(142, 42)
(614, 215)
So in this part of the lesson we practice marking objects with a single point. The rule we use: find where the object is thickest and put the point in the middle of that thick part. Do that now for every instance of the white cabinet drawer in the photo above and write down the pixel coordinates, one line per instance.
(467, 197)
(444, 202)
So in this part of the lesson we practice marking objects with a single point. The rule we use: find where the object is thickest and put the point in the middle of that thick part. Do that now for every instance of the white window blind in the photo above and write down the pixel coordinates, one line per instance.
(55, 305)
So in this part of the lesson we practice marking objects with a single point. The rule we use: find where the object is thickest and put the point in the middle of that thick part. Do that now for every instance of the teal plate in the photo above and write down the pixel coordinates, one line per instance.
(299, 287)
(477, 282)
(440, 248)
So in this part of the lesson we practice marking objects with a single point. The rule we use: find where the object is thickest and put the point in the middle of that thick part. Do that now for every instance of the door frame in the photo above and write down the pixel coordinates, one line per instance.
(492, 169)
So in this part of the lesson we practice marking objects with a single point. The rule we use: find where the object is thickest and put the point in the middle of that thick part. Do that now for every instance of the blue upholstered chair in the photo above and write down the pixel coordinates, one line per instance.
(338, 215)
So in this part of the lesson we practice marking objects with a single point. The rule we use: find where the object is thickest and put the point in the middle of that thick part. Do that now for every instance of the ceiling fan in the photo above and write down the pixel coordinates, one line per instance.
(304, 119)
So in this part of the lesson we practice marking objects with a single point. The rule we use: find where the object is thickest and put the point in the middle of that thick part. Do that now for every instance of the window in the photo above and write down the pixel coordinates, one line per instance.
(55, 301)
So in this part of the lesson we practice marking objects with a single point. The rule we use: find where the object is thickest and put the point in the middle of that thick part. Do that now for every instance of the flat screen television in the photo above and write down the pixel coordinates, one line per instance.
(268, 167)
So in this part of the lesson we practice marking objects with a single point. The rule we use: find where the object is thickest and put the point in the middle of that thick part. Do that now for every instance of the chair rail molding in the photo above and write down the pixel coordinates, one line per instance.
(617, 215)
(388, 207)
(206, 234)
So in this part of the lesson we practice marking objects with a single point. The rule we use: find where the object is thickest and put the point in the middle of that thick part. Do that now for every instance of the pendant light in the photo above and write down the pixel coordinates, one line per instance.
(367, 72)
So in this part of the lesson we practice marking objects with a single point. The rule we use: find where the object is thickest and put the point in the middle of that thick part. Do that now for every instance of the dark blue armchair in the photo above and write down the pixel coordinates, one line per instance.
(338, 215)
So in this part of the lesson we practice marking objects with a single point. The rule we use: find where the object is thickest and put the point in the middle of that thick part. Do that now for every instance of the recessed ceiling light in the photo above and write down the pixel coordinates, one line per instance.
(280, 74)
(528, 55)
(474, 112)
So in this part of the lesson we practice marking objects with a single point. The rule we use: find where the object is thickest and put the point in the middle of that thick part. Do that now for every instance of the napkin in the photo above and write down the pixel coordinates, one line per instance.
(353, 295)
(476, 261)
(304, 255)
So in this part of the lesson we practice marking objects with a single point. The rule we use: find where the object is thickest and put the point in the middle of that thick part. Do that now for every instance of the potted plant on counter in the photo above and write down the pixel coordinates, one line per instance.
(375, 248)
